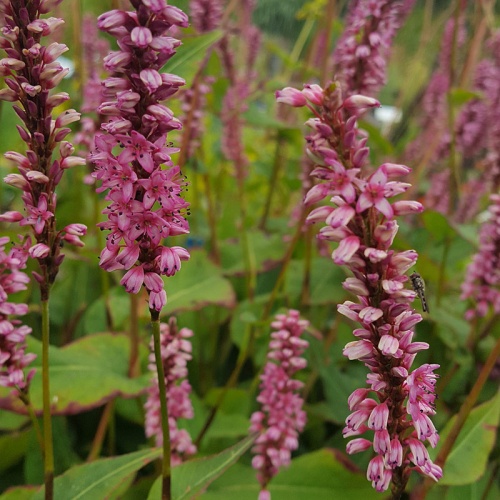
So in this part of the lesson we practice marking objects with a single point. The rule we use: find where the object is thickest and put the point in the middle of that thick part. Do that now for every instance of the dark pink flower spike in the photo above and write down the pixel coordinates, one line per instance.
(281, 417)
(175, 352)
(360, 218)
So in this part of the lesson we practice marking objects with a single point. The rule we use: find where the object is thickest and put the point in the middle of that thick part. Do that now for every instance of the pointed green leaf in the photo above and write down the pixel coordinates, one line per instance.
(198, 284)
(191, 477)
(83, 375)
(321, 475)
(101, 478)
(468, 459)
(190, 54)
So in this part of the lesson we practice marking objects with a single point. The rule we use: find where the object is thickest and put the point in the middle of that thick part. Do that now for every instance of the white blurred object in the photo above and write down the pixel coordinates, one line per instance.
(387, 116)
(67, 63)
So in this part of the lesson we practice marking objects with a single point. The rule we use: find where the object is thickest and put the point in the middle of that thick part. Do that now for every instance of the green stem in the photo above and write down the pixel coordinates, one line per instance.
(229, 384)
(442, 269)
(250, 272)
(166, 469)
(277, 166)
(24, 397)
(48, 450)
(133, 366)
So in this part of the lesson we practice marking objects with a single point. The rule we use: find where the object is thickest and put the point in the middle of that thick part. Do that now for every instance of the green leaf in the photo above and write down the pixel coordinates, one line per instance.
(458, 97)
(325, 281)
(191, 477)
(20, 493)
(321, 475)
(190, 54)
(199, 284)
(83, 375)
(438, 226)
(101, 478)
(468, 459)
(12, 448)
(265, 252)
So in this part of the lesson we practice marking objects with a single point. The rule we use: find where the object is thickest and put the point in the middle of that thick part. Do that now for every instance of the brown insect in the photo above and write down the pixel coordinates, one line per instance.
(419, 287)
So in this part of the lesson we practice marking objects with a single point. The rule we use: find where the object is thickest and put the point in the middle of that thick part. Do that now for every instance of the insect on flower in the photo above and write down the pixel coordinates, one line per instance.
(419, 287)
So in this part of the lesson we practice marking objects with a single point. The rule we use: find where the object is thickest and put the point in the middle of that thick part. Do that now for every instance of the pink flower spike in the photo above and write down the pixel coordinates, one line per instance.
(133, 279)
(291, 96)
(346, 249)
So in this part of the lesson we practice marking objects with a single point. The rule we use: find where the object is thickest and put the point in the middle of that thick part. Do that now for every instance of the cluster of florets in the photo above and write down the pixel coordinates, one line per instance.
(194, 102)
(13, 357)
(281, 417)
(175, 353)
(362, 52)
(361, 219)
(31, 71)
(482, 279)
(146, 205)
(206, 15)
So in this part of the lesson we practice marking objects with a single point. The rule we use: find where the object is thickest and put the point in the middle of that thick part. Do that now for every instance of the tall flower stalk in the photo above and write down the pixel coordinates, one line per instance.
(398, 400)
(31, 73)
(175, 353)
(281, 417)
(361, 54)
(145, 202)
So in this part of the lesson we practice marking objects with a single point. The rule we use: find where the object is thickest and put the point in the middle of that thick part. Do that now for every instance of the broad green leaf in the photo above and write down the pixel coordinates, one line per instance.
(325, 281)
(377, 140)
(101, 478)
(190, 54)
(265, 252)
(437, 225)
(19, 493)
(12, 448)
(11, 421)
(83, 375)
(321, 475)
(191, 477)
(468, 459)
(458, 97)
(197, 285)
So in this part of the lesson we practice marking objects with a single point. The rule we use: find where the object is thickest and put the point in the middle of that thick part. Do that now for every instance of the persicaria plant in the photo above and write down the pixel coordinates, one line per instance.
(264, 264)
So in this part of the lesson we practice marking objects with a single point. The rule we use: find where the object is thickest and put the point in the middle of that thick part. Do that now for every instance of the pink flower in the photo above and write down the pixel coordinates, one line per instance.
(373, 194)
(38, 215)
